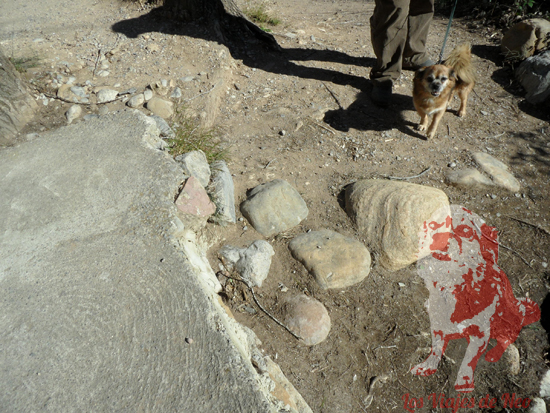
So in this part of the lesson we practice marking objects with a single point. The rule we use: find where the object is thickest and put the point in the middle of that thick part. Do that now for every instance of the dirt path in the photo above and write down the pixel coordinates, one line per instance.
(304, 115)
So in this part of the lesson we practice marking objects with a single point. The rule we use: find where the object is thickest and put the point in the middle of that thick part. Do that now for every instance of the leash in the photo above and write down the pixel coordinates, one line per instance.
(447, 33)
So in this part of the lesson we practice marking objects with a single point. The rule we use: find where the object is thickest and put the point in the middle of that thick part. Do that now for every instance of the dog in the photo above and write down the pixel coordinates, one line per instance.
(434, 86)
(469, 295)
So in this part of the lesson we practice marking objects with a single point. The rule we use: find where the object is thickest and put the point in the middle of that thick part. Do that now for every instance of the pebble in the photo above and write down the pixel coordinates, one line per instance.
(73, 113)
(79, 91)
(452, 165)
(136, 101)
(160, 107)
(187, 79)
(91, 116)
(148, 94)
(103, 73)
(176, 93)
(103, 110)
(308, 318)
(544, 264)
(106, 95)
(189, 340)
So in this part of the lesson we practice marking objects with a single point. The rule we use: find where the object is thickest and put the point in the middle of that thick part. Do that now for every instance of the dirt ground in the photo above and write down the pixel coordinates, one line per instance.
(304, 115)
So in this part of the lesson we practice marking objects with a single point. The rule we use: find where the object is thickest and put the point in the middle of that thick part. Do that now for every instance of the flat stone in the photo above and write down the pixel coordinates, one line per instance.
(389, 216)
(308, 318)
(222, 192)
(251, 263)
(165, 130)
(511, 356)
(274, 207)
(194, 200)
(334, 260)
(468, 177)
(497, 170)
(161, 107)
(195, 164)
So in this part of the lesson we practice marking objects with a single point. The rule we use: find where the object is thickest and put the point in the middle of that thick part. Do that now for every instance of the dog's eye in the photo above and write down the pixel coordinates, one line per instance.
(443, 79)
(430, 78)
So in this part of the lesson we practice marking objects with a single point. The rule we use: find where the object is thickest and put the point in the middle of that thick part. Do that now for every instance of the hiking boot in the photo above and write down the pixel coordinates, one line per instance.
(381, 92)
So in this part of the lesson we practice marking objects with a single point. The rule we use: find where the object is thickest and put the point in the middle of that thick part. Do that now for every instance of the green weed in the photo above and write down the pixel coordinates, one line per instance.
(22, 64)
(190, 136)
(258, 14)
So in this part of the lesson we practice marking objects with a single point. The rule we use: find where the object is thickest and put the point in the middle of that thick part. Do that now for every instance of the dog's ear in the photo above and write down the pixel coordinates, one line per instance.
(419, 74)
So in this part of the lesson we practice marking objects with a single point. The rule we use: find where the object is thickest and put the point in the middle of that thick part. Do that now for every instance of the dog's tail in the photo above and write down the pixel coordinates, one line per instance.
(460, 60)
(530, 310)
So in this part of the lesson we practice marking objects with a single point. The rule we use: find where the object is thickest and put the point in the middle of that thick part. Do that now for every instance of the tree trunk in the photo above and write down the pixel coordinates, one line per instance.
(16, 103)
(223, 16)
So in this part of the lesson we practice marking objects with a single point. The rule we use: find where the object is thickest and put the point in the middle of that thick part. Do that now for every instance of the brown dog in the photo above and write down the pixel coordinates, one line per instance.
(434, 86)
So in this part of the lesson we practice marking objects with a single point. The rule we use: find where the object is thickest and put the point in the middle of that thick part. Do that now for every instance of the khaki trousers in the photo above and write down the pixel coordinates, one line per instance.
(399, 30)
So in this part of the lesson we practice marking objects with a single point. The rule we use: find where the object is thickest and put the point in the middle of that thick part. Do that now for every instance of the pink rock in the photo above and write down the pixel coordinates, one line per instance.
(194, 200)
(307, 318)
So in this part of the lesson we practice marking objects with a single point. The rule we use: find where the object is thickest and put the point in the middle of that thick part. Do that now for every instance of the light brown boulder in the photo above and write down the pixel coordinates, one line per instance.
(390, 215)
(525, 39)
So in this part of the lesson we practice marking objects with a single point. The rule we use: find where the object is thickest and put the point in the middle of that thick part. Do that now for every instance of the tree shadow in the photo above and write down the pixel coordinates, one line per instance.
(363, 114)
(540, 154)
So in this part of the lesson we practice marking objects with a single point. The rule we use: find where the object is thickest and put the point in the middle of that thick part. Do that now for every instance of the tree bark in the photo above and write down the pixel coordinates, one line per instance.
(16, 103)
(223, 16)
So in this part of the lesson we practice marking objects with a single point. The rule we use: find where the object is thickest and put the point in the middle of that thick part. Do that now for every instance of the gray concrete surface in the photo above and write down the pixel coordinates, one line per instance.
(96, 301)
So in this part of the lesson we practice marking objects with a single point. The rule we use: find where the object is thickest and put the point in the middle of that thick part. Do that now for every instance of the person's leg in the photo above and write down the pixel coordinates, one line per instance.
(420, 17)
(388, 26)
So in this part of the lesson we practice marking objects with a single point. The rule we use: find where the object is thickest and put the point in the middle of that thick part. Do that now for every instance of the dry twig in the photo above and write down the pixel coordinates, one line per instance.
(398, 178)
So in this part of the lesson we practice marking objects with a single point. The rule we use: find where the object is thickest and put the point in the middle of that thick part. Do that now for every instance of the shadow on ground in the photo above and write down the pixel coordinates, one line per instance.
(360, 115)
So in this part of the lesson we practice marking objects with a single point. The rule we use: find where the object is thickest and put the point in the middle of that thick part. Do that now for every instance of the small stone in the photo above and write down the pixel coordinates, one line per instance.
(222, 192)
(497, 170)
(136, 101)
(545, 385)
(176, 93)
(307, 318)
(468, 177)
(106, 95)
(274, 207)
(79, 91)
(282, 132)
(452, 165)
(73, 113)
(251, 263)
(189, 340)
(187, 78)
(165, 130)
(511, 355)
(544, 264)
(537, 405)
(103, 73)
(103, 110)
(484, 113)
(195, 164)
(148, 94)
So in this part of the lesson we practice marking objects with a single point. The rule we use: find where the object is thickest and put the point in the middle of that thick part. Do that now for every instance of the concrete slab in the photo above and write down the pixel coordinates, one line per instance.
(96, 298)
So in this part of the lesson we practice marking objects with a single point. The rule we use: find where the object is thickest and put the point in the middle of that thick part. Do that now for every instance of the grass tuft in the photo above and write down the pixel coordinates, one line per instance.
(258, 14)
(22, 64)
(190, 136)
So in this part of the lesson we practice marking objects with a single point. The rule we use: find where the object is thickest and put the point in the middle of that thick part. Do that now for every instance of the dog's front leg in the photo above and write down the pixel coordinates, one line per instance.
(424, 120)
(465, 379)
(435, 123)
(429, 366)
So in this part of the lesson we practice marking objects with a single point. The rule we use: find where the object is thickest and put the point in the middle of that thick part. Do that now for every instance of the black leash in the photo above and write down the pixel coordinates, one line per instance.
(447, 33)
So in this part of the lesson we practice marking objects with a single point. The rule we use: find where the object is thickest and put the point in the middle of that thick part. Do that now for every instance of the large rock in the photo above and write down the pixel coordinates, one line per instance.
(308, 318)
(274, 207)
(534, 75)
(334, 260)
(194, 163)
(389, 215)
(497, 170)
(525, 39)
(17, 106)
(222, 192)
(251, 263)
